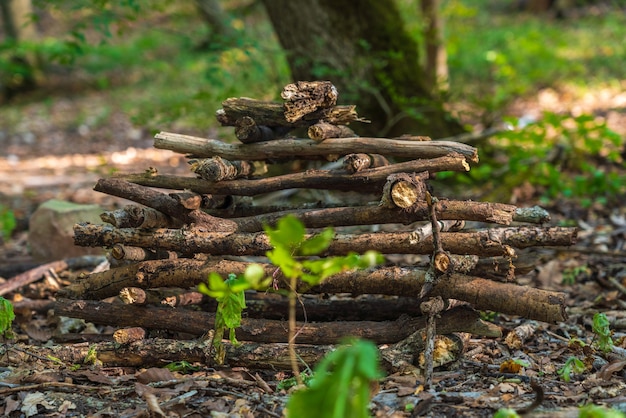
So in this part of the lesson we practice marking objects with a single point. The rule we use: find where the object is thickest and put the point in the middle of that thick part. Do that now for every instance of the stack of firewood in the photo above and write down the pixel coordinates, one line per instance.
(211, 223)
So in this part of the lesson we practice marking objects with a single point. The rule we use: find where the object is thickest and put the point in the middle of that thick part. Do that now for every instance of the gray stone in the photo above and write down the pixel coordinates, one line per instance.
(51, 230)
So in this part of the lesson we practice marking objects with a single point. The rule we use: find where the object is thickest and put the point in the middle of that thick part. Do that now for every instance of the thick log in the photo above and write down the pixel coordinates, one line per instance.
(459, 319)
(507, 298)
(404, 190)
(248, 132)
(273, 114)
(498, 213)
(487, 242)
(305, 97)
(288, 148)
(133, 216)
(371, 180)
(158, 351)
(162, 203)
(324, 130)
(219, 169)
(353, 163)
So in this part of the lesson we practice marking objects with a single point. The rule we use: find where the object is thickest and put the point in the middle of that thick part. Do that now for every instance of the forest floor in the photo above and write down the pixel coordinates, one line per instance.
(54, 157)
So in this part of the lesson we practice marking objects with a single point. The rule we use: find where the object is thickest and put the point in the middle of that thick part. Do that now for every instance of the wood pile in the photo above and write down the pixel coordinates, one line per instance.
(212, 221)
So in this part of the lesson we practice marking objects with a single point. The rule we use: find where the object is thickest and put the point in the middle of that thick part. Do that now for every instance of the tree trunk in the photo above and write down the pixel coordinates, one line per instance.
(363, 49)
(16, 19)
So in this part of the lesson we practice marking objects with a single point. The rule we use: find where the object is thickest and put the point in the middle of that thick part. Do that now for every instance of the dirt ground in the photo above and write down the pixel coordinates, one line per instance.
(47, 157)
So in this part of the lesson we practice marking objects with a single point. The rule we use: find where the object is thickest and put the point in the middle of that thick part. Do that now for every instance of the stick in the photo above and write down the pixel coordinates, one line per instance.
(162, 203)
(498, 213)
(273, 114)
(367, 180)
(487, 242)
(37, 273)
(287, 148)
(323, 130)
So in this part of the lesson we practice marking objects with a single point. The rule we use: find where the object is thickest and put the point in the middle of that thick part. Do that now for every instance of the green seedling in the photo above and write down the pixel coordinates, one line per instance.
(341, 384)
(572, 365)
(6, 318)
(604, 342)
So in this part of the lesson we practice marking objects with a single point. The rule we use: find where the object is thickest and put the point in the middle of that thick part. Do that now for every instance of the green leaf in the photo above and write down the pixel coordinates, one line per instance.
(601, 327)
(281, 257)
(317, 243)
(6, 316)
(289, 233)
(340, 387)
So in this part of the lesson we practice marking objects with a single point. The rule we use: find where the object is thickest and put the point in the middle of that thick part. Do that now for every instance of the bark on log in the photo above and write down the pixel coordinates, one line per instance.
(248, 132)
(323, 130)
(139, 217)
(305, 97)
(371, 180)
(37, 273)
(498, 213)
(319, 215)
(507, 298)
(162, 203)
(273, 114)
(487, 242)
(287, 148)
(218, 169)
(404, 190)
(460, 319)
(353, 163)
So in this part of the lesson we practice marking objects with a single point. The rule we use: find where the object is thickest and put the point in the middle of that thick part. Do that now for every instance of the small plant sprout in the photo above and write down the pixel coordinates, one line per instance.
(6, 318)
(341, 384)
(290, 245)
(231, 302)
(604, 342)
(572, 365)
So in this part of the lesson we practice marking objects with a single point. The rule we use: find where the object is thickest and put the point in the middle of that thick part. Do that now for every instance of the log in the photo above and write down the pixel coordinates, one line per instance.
(507, 298)
(305, 97)
(157, 352)
(459, 319)
(162, 203)
(272, 114)
(371, 180)
(324, 130)
(353, 163)
(34, 274)
(498, 213)
(219, 169)
(487, 242)
(133, 216)
(404, 190)
(248, 132)
(303, 148)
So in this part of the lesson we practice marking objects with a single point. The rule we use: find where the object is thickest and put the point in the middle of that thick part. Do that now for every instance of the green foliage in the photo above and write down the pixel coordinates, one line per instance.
(597, 411)
(506, 413)
(604, 342)
(286, 384)
(563, 156)
(290, 243)
(6, 317)
(572, 365)
(495, 56)
(231, 302)
(181, 366)
(7, 222)
(571, 274)
(341, 384)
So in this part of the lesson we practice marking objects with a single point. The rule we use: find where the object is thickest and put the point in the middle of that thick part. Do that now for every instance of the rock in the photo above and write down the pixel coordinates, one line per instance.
(51, 230)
